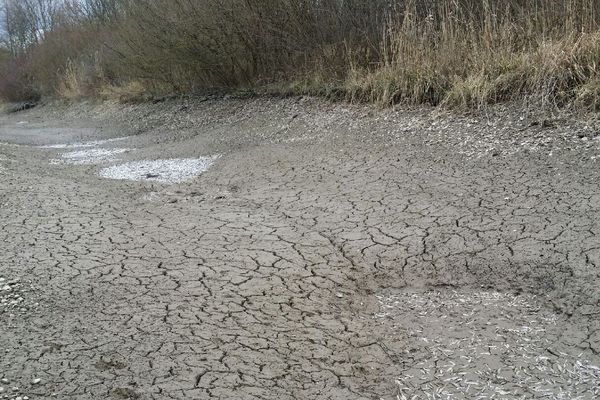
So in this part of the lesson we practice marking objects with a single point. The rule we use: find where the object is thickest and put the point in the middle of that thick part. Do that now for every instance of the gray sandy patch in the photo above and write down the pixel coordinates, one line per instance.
(483, 345)
(90, 156)
(164, 171)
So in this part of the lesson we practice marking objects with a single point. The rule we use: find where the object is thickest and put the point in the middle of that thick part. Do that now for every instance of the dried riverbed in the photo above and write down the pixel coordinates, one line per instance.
(296, 249)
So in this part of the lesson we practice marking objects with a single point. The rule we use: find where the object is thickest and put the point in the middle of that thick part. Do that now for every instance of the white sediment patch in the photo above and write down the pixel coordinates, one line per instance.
(163, 171)
(64, 146)
(90, 156)
(483, 345)
(7, 144)
(77, 145)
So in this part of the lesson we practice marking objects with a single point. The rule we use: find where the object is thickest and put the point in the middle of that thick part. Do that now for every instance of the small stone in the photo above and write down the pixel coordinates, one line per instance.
(19, 398)
(1, 389)
(4, 380)
(36, 381)
(339, 295)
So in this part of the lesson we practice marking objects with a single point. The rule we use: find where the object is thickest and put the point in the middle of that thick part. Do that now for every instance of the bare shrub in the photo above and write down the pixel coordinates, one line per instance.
(458, 53)
(15, 84)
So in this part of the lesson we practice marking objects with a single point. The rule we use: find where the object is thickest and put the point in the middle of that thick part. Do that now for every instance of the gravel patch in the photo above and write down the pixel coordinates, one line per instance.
(483, 345)
(15, 297)
(90, 156)
(163, 171)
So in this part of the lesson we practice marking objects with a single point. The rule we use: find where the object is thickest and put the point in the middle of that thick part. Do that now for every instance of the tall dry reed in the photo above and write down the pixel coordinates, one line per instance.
(458, 53)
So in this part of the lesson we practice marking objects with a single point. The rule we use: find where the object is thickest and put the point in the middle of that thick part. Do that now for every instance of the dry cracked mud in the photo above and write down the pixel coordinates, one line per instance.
(330, 252)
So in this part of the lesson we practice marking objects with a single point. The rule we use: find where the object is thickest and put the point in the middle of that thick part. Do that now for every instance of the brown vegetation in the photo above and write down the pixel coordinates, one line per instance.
(459, 53)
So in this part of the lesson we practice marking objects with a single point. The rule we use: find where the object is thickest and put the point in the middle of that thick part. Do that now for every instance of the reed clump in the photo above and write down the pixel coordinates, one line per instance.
(455, 53)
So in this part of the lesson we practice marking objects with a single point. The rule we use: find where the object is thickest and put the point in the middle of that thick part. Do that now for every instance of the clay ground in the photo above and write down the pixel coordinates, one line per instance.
(330, 252)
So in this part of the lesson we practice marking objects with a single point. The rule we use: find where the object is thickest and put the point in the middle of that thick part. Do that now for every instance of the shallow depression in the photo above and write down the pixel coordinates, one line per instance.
(164, 171)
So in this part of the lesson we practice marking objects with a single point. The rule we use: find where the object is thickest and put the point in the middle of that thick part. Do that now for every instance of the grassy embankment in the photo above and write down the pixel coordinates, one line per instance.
(456, 53)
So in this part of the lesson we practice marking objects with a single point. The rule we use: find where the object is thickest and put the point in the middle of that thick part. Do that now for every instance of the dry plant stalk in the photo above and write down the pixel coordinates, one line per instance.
(458, 53)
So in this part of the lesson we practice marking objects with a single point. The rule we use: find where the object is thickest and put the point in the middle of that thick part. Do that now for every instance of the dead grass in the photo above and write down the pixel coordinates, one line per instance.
(455, 53)
(130, 92)
(467, 60)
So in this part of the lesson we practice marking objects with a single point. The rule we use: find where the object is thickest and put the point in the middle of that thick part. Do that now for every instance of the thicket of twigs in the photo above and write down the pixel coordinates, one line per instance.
(461, 53)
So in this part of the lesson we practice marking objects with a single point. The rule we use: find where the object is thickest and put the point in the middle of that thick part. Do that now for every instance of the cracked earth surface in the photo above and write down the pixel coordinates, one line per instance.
(324, 255)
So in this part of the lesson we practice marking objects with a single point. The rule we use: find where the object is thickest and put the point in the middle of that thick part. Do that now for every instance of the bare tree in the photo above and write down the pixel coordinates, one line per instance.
(18, 26)
(25, 22)
(101, 11)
